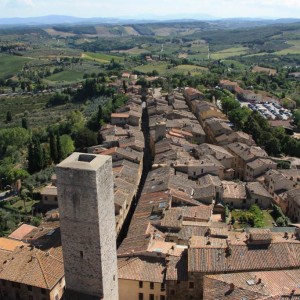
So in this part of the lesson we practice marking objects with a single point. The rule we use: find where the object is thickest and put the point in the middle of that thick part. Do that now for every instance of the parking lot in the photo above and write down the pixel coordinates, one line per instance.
(271, 111)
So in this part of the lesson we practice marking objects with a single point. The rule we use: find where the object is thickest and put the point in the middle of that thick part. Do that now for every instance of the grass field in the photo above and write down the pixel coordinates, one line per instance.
(236, 64)
(102, 58)
(28, 205)
(20, 104)
(229, 52)
(11, 64)
(160, 67)
(294, 49)
(132, 51)
(68, 76)
(268, 220)
(185, 69)
(35, 109)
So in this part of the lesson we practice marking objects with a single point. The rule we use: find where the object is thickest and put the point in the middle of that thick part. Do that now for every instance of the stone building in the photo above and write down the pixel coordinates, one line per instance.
(87, 224)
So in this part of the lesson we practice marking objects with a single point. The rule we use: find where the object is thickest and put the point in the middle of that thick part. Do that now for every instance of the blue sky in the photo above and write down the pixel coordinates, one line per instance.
(151, 8)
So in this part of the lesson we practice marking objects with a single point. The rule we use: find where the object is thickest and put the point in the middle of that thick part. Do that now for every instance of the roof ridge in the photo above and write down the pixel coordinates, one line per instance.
(129, 261)
(37, 257)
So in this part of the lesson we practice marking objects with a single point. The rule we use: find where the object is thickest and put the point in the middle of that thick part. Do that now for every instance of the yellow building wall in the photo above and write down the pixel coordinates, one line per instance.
(129, 290)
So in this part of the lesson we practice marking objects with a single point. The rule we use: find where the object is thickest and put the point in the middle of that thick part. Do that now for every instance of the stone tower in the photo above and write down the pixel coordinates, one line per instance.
(87, 224)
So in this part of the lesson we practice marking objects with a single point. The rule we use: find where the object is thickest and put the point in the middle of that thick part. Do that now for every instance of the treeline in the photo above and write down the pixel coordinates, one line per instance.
(76, 29)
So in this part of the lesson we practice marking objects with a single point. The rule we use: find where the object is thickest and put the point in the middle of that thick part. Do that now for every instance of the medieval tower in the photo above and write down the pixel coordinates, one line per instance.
(87, 224)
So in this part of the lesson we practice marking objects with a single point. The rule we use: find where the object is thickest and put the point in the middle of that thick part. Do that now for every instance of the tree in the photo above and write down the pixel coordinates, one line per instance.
(67, 145)
(84, 138)
(239, 117)
(30, 157)
(229, 104)
(124, 86)
(38, 155)
(23, 86)
(59, 149)
(297, 118)
(8, 117)
(24, 123)
(53, 148)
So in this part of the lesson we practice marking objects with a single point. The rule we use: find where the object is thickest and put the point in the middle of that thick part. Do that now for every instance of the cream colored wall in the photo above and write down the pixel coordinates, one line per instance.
(129, 290)
(58, 290)
(51, 200)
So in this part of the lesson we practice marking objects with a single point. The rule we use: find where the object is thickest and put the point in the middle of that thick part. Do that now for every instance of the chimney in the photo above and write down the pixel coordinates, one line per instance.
(228, 248)
(259, 281)
(231, 287)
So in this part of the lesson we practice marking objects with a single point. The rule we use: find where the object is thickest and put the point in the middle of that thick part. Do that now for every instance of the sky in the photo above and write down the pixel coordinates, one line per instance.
(151, 8)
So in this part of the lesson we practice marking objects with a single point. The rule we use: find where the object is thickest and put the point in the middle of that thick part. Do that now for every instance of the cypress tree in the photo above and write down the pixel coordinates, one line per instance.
(31, 162)
(53, 148)
(58, 147)
(39, 156)
(24, 123)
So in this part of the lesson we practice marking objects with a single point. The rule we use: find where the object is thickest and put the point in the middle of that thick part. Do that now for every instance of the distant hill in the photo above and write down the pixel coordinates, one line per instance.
(59, 19)
(54, 19)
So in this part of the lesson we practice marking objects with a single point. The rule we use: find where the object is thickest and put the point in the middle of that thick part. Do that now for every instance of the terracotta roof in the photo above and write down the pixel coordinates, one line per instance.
(108, 151)
(174, 217)
(294, 195)
(135, 244)
(21, 232)
(228, 82)
(258, 234)
(257, 189)
(244, 258)
(142, 268)
(191, 91)
(120, 115)
(233, 190)
(9, 244)
(253, 285)
(30, 266)
(206, 241)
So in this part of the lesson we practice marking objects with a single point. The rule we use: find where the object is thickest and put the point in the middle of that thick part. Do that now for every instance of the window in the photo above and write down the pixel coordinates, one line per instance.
(55, 198)
(81, 254)
(151, 285)
(140, 284)
(43, 291)
(191, 285)
(162, 297)
(29, 287)
(141, 296)
(162, 287)
(46, 198)
(151, 297)
(178, 281)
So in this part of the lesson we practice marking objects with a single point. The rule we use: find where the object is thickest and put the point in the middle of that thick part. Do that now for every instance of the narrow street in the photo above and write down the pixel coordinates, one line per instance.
(147, 164)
